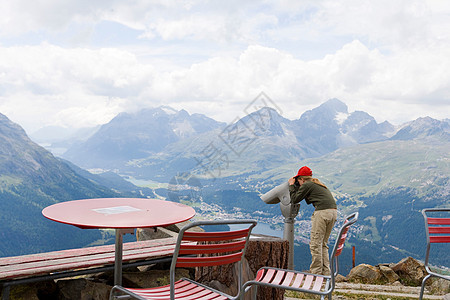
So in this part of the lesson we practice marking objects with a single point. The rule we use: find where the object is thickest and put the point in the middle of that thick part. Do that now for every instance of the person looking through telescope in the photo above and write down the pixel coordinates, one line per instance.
(304, 186)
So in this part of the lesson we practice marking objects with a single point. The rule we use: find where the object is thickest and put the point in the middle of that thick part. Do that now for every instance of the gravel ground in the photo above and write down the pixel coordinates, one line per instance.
(368, 292)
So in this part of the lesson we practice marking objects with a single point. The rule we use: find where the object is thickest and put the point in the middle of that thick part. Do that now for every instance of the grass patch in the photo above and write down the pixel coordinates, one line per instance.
(369, 297)
(298, 295)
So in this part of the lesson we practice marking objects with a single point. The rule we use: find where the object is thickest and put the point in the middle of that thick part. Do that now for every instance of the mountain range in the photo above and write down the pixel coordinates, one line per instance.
(133, 136)
(386, 172)
(151, 144)
(362, 160)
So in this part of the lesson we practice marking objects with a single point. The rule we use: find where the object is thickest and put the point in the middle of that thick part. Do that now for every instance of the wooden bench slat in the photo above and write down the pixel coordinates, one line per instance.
(82, 255)
(71, 264)
(84, 258)
(86, 251)
(68, 265)
(97, 259)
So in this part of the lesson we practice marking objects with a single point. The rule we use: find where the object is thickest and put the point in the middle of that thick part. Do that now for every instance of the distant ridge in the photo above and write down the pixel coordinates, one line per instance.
(138, 135)
(156, 135)
(424, 127)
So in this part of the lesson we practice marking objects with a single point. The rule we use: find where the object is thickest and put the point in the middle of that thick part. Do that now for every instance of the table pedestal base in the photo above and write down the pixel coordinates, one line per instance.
(118, 254)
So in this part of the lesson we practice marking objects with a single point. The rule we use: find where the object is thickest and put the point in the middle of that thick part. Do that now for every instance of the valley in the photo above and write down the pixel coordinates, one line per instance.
(387, 173)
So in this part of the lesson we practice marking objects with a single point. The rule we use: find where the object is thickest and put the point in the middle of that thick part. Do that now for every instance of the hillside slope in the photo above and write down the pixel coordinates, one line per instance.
(31, 178)
(389, 183)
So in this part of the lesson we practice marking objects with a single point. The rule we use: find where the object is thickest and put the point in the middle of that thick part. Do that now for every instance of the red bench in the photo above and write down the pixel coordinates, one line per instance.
(74, 262)
(437, 228)
(199, 249)
(303, 282)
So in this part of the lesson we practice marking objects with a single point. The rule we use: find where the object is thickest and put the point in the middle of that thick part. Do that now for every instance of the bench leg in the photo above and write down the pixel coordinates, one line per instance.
(255, 291)
(422, 288)
(5, 293)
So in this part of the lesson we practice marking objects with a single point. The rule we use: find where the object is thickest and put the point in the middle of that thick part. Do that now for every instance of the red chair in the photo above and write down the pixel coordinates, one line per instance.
(301, 281)
(227, 247)
(438, 231)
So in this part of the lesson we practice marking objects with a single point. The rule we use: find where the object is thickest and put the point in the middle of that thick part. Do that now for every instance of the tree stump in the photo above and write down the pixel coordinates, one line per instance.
(261, 251)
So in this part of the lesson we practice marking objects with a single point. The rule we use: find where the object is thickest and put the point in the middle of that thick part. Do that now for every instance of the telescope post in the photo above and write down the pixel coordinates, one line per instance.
(288, 234)
(280, 194)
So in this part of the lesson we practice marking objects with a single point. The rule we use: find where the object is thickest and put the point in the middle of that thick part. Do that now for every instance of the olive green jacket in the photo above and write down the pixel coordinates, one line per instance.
(314, 194)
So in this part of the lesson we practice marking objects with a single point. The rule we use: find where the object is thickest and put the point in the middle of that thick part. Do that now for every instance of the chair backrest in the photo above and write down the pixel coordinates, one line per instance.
(437, 227)
(203, 249)
(339, 244)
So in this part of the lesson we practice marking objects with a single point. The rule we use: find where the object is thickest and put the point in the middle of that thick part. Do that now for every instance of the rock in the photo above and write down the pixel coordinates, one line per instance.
(340, 278)
(397, 283)
(365, 273)
(410, 271)
(438, 286)
(389, 274)
(215, 284)
(177, 227)
(151, 278)
(144, 234)
(34, 291)
(82, 289)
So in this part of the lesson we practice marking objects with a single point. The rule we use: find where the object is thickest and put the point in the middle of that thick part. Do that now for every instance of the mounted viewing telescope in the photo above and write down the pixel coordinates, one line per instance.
(280, 194)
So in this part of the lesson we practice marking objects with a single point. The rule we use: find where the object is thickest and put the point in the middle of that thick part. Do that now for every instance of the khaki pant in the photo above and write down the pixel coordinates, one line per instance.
(322, 222)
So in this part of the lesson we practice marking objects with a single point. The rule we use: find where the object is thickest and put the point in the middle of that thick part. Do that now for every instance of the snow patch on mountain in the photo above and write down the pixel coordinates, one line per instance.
(345, 140)
(169, 110)
(289, 136)
(341, 117)
(183, 129)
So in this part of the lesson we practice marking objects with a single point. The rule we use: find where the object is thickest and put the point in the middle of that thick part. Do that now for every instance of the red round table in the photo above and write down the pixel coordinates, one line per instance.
(121, 214)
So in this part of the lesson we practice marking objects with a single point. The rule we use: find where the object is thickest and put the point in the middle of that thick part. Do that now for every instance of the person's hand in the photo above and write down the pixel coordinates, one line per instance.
(291, 181)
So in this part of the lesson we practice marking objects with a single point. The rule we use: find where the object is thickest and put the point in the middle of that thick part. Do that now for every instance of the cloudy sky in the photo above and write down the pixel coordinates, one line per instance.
(78, 63)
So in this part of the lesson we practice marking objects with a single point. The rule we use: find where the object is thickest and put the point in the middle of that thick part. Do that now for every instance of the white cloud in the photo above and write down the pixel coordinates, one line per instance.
(69, 82)
(382, 22)
(49, 85)
(216, 57)
(47, 69)
(21, 16)
(68, 110)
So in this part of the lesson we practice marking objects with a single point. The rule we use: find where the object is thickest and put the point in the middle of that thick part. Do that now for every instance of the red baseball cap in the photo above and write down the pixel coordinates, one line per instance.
(304, 171)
